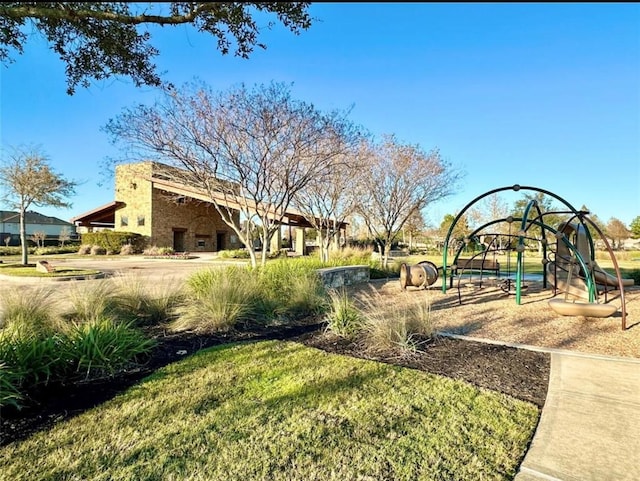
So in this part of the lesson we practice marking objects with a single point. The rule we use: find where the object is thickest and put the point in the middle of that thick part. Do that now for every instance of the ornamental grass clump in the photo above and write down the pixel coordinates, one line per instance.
(145, 304)
(25, 313)
(10, 387)
(217, 300)
(92, 300)
(291, 289)
(344, 318)
(394, 324)
(102, 346)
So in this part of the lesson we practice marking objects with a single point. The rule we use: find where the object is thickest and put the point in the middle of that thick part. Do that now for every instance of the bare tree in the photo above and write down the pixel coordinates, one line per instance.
(329, 199)
(415, 225)
(38, 237)
(250, 150)
(28, 180)
(64, 235)
(617, 231)
(401, 179)
(491, 208)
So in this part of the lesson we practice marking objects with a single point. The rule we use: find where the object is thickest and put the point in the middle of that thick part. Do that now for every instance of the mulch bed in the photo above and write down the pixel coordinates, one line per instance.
(518, 373)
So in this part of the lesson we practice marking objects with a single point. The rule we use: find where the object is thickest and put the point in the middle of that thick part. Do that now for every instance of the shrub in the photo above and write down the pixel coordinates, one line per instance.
(50, 250)
(92, 300)
(127, 250)
(155, 251)
(89, 349)
(97, 250)
(84, 249)
(290, 288)
(344, 319)
(113, 241)
(11, 251)
(32, 358)
(234, 254)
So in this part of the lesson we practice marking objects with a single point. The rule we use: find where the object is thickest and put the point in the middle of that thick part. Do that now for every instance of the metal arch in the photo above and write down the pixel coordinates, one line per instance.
(515, 188)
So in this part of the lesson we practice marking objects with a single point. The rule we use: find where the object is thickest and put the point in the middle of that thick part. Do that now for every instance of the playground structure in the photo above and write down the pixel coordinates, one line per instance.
(568, 257)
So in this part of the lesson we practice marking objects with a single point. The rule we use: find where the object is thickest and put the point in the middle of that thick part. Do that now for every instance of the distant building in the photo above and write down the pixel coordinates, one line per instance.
(34, 222)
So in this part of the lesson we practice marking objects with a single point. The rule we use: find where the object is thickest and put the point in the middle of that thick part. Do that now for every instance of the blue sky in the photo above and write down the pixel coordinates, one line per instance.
(539, 94)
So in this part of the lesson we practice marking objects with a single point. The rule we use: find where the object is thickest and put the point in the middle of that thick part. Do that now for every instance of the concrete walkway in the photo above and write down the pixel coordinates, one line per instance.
(590, 424)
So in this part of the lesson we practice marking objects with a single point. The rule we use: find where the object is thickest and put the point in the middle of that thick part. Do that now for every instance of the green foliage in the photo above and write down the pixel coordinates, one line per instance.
(291, 288)
(343, 319)
(144, 304)
(100, 40)
(217, 299)
(102, 346)
(33, 359)
(281, 411)
(634, 227)
(112, 241)
(9, 387)
(631, 274)
(13, 251)
(51, 250)
(234, 254)
(378, 271)
(32, 313)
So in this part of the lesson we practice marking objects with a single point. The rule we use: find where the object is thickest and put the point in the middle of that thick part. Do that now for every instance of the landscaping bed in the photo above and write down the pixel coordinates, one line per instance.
(518, 373)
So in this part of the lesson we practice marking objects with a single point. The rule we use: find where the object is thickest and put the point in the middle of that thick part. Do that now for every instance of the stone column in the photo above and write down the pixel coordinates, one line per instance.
(301, 241)
(276, 241)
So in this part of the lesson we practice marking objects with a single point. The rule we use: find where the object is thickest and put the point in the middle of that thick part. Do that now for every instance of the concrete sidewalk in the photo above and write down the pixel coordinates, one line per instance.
(590, 424)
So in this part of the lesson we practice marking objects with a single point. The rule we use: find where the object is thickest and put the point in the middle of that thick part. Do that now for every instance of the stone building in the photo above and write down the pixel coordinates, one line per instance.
(148, 203)
(152, 200)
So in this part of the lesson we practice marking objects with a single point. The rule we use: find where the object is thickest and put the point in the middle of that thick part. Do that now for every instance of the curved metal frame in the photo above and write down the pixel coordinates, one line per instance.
(525, 225)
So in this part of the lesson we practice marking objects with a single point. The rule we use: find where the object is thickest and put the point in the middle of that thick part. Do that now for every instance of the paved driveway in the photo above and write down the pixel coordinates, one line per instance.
(150, 270)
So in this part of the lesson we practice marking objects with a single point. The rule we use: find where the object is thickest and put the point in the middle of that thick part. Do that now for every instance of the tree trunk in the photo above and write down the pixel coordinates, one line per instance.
(23, 238)
(384, 254)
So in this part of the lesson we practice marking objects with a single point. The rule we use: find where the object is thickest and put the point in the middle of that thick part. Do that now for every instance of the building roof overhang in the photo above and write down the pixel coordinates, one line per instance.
(103, 216)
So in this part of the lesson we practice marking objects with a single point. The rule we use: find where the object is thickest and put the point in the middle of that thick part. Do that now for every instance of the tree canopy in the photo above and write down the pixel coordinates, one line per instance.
(28, 180)
(99, 40)
(401, 179)
(251, 150)
(635, 227)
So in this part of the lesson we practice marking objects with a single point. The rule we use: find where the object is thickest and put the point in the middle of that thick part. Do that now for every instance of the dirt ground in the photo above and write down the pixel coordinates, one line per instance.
(489, 313)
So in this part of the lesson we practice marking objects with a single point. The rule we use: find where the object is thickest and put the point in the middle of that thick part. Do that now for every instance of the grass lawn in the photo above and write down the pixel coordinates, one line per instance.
(19, 270)
(276, 410)
(532, 263)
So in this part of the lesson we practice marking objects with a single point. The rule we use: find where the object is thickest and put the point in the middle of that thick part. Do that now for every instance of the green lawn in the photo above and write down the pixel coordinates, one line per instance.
(532, 262)
(278, 410)
(18, 270)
